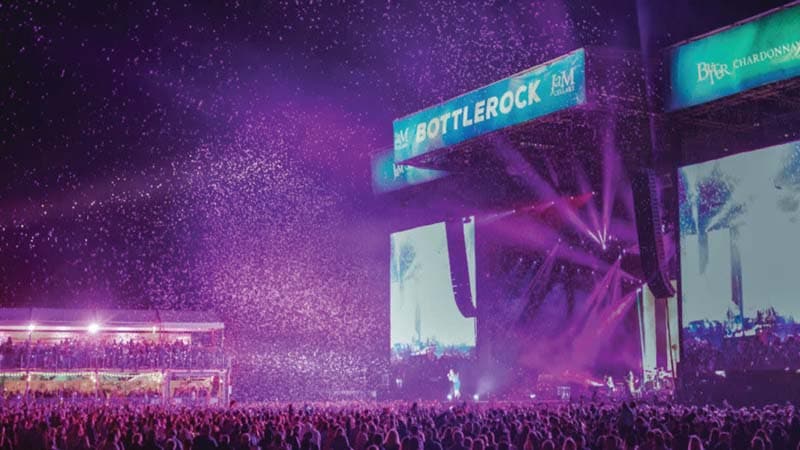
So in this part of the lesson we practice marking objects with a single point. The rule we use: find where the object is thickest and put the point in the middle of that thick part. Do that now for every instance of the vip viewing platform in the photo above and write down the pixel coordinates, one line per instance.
(94, 352)
(47, 338)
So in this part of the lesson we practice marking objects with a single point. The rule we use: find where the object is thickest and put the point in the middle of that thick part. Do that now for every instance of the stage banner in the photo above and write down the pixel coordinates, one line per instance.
(388, 176)
(752, 54)
(536, 92)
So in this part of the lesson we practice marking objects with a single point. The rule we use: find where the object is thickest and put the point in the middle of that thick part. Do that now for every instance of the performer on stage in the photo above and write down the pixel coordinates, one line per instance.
(630, 381)
(455, 384)
(610, 383)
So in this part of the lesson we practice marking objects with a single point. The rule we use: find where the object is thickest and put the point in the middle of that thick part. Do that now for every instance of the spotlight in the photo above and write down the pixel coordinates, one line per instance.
(476, 397)
(449, 397)
(533, 396)
(93, 328)
(31, 327)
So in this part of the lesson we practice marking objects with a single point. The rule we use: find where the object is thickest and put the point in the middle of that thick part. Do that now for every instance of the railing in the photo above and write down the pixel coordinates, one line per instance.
(115, 356)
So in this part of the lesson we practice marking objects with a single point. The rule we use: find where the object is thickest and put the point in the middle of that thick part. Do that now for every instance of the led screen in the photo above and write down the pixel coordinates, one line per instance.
(740, 244)
(424, 316)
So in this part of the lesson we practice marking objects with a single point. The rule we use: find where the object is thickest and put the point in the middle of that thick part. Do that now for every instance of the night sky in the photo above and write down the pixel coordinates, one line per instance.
(216, 156)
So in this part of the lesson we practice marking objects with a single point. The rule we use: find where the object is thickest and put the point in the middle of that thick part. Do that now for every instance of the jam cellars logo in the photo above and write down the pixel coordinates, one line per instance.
(401, 139)
(563, 82)
(398, 171)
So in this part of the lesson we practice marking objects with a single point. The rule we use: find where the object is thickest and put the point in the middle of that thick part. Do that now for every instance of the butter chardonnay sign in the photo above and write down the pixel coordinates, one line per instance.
(536, 92)
(746, 56)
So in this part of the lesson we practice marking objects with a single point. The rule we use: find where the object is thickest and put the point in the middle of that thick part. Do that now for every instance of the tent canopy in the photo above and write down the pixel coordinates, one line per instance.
(56, 319)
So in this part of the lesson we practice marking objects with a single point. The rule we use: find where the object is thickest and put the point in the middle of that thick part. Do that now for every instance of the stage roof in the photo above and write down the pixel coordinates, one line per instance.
(57, 319)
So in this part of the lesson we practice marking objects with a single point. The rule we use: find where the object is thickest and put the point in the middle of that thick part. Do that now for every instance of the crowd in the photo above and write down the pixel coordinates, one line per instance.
(65, 396)
(396, 426)
(91, 354)
(745, 353)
